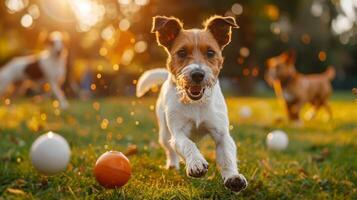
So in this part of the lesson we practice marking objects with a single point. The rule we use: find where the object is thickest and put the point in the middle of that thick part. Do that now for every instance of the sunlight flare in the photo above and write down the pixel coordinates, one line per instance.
(88, 13)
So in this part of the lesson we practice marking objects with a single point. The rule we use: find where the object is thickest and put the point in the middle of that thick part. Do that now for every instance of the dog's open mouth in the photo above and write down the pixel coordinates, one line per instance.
(195, 92)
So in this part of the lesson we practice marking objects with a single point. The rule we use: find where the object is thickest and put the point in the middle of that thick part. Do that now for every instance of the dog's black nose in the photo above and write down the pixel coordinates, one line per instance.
(197, 76)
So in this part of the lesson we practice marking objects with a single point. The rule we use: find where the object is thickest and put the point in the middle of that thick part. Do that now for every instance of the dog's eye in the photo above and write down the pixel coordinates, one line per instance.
(210, 53)
(182, 53)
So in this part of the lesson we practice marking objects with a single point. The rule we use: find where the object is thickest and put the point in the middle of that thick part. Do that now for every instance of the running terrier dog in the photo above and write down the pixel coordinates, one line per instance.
(191, 105)
(49, 66)
(299, 89)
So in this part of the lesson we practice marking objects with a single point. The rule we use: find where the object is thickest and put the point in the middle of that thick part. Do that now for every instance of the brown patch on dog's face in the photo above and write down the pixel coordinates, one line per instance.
(281, 67)
(195, 55)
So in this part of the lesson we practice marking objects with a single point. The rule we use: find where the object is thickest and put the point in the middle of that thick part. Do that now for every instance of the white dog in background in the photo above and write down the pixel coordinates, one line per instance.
(49, 66)
(191, 105)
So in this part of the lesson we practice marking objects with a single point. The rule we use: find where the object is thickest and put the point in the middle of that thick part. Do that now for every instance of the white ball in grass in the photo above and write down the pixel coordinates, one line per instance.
(277, 140)
(50, 153)
(245, 112)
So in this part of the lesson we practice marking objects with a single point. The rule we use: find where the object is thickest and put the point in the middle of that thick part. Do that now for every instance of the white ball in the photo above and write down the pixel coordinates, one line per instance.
(245, 112)
(50, 153)
(277, 140)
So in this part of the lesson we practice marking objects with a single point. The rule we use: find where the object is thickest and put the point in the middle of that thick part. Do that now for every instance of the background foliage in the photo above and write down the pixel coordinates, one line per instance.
(323, 33)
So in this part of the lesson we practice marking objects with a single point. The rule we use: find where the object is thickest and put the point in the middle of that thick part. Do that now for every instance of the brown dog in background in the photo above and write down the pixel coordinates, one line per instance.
(298, 89)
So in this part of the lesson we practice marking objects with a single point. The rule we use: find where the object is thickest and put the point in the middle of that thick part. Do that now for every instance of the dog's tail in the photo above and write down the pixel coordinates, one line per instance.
(330, 73)
(150, 79)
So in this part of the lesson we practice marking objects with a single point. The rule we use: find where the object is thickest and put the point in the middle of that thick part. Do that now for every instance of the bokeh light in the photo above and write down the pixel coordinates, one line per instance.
(140, 47)
(116, 67)
(127, 56)
(141, 2)
(274, 27)
(272, 11)
(124, 24)
(341, 24)
(16, 5)
(244, 51)
(237, 9)
(346, 19)
(108, 33)
(124, 2)
(34, 11)
(88, 13)
(282, 26)
(26, 21)
(316, 9)
(103, 51)
(322, 56)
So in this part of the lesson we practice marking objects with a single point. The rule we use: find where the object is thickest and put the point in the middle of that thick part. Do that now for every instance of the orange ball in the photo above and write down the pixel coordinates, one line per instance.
(112, 169)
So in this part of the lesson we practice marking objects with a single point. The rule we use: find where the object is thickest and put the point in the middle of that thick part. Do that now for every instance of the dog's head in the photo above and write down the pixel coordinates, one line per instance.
(281, 67)
(56, 42)
(194, 55)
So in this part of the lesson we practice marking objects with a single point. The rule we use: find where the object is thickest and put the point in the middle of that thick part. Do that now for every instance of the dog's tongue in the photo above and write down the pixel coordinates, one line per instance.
(195, 90)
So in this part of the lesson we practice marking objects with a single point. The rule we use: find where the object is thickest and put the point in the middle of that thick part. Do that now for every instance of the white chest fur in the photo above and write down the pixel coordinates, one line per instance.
(196, 118)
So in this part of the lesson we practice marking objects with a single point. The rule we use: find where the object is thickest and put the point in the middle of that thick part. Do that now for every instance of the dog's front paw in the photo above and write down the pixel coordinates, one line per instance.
(197, 168)
(236, 183)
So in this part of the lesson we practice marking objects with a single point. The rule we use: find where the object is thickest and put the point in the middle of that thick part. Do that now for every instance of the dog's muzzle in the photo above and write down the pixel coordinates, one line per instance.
(195, 90)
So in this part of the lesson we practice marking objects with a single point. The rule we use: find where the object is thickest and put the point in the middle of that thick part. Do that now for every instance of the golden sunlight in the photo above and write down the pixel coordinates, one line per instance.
(88, 13)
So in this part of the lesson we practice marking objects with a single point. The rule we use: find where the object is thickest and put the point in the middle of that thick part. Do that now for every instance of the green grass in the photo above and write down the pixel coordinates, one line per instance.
(320, 162)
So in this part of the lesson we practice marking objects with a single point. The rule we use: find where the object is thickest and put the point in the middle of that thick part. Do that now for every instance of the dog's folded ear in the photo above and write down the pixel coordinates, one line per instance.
(221, 28)
(166, 29)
